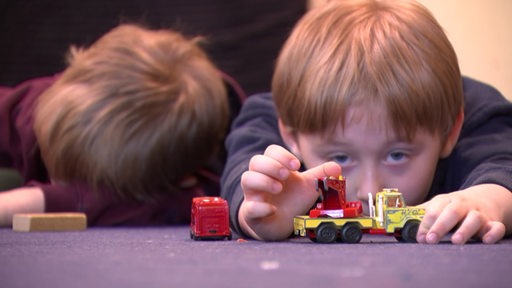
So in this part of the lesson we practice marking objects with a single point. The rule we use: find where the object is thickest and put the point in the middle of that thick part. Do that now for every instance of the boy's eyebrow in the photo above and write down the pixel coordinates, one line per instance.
(329, 140)
(332, 141)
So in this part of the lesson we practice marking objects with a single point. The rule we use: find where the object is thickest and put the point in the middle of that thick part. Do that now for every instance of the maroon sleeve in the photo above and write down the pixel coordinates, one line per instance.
(6, 104)
(104, 207)
(18, 145)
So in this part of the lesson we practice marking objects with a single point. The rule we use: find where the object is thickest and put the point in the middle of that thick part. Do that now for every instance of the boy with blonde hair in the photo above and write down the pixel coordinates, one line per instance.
(124, 134)
(374, 88)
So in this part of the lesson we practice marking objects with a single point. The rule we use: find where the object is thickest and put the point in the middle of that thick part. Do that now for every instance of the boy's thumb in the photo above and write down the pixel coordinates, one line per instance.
(324, 170)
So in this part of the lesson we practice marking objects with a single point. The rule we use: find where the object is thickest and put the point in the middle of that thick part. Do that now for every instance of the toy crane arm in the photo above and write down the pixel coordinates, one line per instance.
(370, 205)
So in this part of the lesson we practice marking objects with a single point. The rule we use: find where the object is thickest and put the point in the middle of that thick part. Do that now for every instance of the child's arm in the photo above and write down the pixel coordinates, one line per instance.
(275, 192)
(483, 154)
(484, 211)
(20, 200)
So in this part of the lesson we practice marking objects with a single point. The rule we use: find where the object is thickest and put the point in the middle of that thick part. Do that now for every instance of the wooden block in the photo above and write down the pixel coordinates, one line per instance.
(28, 222)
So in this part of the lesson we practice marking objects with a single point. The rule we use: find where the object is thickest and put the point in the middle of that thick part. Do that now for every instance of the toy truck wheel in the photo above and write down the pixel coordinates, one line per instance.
(326, 233)
(351, 233)
(409, 231)
(311, 235)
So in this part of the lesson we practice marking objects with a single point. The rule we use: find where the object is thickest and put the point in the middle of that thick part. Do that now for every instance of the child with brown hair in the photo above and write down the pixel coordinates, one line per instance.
(124, 134)
(374, 88)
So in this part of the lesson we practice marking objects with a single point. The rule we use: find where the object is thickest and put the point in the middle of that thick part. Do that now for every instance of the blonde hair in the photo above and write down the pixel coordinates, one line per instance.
(346, 53)
(135, 112)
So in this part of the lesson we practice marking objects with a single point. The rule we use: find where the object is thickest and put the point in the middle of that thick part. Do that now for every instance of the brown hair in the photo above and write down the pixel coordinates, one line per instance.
(135, 112)
(346, 53)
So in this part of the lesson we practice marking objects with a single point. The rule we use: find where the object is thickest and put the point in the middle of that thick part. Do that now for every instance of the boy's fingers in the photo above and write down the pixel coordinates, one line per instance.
(445, 213)
(476, 225)
(283, 156)
(433, 208)
(441, 216)
(269, 167)
(255, 185)
(468, 228)
(492, 232)
(324, 170)
(446, 221)
(255, 209)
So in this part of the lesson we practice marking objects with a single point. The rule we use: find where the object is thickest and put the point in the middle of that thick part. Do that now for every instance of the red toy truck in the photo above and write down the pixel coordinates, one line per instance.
(209, 219)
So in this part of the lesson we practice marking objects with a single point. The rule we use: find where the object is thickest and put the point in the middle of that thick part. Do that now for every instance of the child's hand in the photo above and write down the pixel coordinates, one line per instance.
(483, 211)
(20, 200)
(275, 192)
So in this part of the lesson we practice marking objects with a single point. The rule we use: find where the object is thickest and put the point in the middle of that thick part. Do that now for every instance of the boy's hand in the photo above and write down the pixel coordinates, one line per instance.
(20, 200)
(275, 192)
(481, 211)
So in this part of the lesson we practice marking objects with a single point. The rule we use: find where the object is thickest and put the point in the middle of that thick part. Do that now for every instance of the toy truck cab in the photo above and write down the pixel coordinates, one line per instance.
(392, 216)
(209, 218)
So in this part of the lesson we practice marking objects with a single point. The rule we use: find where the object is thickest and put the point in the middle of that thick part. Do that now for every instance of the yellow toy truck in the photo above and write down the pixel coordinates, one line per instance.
(388, 216)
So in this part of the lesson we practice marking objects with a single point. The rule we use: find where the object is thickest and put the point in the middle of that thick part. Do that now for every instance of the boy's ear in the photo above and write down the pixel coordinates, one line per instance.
(453, 136)
(289, 138)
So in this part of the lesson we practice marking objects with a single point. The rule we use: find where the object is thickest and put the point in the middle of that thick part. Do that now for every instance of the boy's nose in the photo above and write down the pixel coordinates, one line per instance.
(368, 183)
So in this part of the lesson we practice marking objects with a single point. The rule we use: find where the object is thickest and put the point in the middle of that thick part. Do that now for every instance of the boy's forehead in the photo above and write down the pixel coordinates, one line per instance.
(372, 119)
(375, 116)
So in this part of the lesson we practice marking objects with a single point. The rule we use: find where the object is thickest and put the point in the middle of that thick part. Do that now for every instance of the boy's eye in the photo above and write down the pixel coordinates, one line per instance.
(396, 157)
(342, 159)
